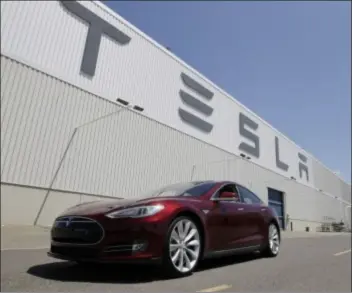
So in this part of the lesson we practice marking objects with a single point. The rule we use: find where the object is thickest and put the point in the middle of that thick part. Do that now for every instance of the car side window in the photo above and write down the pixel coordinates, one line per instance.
(248, 196)
(229, 188)
(200, 189)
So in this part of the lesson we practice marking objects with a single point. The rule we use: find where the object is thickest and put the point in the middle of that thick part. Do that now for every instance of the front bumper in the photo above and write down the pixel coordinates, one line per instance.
(106, 240)
(140, 261)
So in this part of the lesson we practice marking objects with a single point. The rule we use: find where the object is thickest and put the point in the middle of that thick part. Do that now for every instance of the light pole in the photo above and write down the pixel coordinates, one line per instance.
(193, 171)
(125, 106)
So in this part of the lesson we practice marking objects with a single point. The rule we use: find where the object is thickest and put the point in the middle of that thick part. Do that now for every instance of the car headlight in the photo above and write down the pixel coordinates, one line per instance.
(136, 212)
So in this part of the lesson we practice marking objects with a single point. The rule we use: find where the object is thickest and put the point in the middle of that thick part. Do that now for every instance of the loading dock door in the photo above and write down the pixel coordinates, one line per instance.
(275, 201)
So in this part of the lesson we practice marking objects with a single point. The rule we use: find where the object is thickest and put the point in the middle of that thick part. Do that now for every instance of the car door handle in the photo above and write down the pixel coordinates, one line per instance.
(240, 209)
(262, 210)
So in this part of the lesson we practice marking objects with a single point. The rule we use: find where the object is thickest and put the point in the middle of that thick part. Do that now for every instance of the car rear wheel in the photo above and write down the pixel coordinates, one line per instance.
(273, 242)
(182, 247)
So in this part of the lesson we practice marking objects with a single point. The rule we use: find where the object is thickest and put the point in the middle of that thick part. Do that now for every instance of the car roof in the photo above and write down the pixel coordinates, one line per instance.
(210, 181)
(221, 182)
(203, 182)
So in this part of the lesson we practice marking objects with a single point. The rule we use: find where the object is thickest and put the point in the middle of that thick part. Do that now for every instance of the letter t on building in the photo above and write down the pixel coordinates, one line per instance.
(97, 27)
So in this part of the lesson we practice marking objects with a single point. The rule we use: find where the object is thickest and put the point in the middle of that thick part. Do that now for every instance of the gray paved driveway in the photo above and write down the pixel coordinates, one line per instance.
(310, 264)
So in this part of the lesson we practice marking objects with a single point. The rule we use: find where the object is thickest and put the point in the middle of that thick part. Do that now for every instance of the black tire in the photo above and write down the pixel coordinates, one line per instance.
(267, 251)
(167, 265)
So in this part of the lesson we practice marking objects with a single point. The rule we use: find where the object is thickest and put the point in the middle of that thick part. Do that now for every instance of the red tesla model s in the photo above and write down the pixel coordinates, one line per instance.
(175, 226)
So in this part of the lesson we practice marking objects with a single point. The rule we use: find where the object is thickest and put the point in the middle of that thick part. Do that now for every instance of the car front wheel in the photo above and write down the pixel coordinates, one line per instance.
(273, 241)
(182, 247)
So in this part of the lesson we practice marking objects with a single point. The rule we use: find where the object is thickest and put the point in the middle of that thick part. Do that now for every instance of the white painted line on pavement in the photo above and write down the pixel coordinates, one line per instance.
(217, 288)
(342, 252)
(25, 248)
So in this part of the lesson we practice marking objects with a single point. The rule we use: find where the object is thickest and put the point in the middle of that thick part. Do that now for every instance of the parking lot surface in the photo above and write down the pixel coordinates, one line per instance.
(310, 263)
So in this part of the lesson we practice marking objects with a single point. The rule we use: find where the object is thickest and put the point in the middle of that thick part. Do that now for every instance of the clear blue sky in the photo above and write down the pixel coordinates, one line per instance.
(289, 62)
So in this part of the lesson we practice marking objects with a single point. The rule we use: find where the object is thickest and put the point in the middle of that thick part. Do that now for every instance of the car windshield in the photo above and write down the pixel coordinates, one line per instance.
(185, 189)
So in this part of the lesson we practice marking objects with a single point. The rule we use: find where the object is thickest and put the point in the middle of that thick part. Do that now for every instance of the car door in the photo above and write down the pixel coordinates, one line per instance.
(237, 230)
(253, 215)
(218, 226)
(220, 220)
(226, 220)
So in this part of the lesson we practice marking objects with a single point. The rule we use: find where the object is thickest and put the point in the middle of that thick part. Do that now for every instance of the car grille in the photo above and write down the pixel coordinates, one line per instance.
(77, 230)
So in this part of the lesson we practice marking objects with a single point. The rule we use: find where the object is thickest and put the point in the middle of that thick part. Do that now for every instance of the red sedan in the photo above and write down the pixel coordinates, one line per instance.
(175, 226)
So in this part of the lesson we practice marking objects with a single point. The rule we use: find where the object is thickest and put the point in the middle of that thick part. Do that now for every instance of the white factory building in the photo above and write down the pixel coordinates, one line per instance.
(71, 74)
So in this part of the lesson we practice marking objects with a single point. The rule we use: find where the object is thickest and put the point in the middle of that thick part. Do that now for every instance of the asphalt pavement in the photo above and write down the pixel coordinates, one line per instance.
(307, 262)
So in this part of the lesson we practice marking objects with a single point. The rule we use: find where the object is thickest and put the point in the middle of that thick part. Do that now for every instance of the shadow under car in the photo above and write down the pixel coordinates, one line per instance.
(125, 274)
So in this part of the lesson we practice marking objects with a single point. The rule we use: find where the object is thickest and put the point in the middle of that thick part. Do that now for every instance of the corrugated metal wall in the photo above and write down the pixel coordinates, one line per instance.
(326, 180)
(346, 191)
(125, 153)
(46, 36)
(39, 115)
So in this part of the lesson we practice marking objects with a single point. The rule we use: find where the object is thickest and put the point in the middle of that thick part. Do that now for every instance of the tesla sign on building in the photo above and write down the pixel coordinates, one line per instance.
(97, 27)
(65, 64)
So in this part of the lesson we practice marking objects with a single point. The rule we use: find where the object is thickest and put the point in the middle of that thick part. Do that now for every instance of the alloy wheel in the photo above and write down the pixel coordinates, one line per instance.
(273, 238)
(184, 245)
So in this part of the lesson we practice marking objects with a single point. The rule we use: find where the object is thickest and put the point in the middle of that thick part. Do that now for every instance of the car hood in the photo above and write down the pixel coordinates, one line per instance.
(105, 206)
